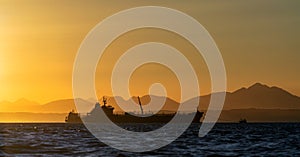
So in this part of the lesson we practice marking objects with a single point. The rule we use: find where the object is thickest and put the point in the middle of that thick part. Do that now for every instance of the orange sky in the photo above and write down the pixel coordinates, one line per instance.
(39, 40)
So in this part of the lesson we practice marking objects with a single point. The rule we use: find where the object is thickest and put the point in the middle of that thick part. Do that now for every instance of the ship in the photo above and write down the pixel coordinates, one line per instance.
(94, 115)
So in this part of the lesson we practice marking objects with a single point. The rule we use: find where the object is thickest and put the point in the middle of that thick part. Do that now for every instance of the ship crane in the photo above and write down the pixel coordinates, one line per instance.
(104, 100)
(140, 105)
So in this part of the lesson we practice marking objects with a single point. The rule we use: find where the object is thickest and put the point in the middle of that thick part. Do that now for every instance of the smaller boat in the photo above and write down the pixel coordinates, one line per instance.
(73, 117)
(243, 120)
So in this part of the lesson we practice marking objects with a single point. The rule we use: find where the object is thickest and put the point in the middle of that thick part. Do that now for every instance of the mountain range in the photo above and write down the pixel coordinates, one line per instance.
(257, 96)
(257, 103)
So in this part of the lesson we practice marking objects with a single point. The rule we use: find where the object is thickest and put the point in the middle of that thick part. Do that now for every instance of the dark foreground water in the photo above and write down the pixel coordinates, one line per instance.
(264, 139)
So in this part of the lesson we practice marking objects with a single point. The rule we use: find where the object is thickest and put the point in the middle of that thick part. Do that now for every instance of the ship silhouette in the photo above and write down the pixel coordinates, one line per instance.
(94, 115)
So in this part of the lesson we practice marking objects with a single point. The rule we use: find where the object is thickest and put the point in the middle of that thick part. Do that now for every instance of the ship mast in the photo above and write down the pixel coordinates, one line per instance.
(141, 105)
(104, 101)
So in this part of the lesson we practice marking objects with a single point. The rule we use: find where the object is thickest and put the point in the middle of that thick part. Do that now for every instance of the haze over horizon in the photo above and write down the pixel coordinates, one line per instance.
(39, 41)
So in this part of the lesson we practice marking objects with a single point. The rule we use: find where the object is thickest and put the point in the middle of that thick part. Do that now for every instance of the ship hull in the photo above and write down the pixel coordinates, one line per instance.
(161, 118)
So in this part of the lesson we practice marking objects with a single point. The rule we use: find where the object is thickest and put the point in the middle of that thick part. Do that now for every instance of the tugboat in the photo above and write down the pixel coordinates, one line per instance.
(94, 115)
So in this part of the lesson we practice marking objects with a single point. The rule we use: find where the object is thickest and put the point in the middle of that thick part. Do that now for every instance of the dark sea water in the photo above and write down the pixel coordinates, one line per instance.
(252, 139)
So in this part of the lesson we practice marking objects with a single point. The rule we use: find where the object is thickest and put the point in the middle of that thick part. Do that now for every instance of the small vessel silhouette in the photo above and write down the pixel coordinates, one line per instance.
(243, 120)
(94, 115)
(73, 117)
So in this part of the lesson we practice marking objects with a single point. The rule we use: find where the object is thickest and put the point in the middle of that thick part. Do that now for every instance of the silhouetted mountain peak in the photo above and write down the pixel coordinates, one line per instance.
(262, 96)
(259, 86)
(264, 89)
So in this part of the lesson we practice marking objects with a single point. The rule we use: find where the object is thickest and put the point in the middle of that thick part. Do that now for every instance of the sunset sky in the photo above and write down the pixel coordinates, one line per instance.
(259, 42)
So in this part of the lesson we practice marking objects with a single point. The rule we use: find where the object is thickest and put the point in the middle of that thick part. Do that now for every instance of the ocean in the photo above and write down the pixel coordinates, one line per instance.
(226, 139)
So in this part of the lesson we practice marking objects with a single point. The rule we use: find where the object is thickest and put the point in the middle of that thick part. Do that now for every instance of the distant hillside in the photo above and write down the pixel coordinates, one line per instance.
(21, 105)
(257, 96)
(66, 105)
(58, 106)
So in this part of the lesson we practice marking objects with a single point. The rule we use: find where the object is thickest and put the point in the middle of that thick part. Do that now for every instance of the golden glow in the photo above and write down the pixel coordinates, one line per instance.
(1, 66)
(39, 42)
(145, 76)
